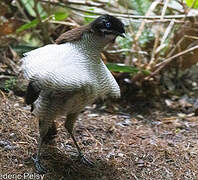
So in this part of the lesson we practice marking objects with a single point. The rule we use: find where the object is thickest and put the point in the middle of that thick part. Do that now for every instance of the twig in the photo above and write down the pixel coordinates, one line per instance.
(141, 28)
(168, 60)
(136, 20)
(156, 42)
(157, 39)
(42, 25)
(123, 15)
(136, 178)
(191, 37)
(150, 10)
(176, 46)
(167, 32)
(77, 2)
(64, 23)
(164, 9)
(6, 76)
(2, 93)
(21, 10)
(126, 50)
(180, 16)
(172, 8)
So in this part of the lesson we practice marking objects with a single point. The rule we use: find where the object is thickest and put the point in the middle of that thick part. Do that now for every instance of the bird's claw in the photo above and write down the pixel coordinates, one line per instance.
(39, 167)
(85, 161)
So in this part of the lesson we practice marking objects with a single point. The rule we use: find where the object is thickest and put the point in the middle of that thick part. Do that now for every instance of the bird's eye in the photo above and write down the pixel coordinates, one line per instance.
(108, 25)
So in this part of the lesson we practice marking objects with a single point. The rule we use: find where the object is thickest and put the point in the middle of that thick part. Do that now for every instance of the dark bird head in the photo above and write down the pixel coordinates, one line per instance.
(107, 25)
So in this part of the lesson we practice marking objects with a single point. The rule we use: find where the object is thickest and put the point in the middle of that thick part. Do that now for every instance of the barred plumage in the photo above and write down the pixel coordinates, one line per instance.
(64, 78)
(69, 69)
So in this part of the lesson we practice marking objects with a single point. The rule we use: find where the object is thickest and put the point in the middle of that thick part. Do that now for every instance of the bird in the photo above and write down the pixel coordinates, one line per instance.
(65, 77)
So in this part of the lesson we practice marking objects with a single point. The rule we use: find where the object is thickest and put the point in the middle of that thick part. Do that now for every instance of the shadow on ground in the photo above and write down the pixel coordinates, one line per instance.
(60, 166)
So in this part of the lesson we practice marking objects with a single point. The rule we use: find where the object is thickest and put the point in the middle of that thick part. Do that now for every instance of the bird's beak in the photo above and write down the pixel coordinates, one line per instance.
(122, 35)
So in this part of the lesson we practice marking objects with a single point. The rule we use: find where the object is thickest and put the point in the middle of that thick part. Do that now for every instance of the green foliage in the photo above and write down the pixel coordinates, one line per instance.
(21, 49)
(28, 25)
(125, 43)
(29, 6)
(192, 3)
(141, 6)
(10, 84)
(31, 39)
(121, 68)
(88, 19)
(146, 37)
(59, 16)
(124, 68)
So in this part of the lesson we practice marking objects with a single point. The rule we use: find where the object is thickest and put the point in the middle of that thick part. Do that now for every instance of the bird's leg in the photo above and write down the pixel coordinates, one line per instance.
(81, 156)
(44, 127)
(39, 167)
(69, 124)
(51, 133)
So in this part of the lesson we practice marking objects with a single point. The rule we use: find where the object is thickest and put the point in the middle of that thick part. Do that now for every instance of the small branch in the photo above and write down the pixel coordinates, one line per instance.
(21, 10)
(64, 23)
(150, 10)
(6, 76)
(164, 9)
(157, 38)
(168, 60)
(85, 3)
(157, 35)
(172, 8)
(136, 20)
(167, 32)
(165, 36)
(42, 25)
(123, 15)
(191, 37)
(156, 42)
(127, 50)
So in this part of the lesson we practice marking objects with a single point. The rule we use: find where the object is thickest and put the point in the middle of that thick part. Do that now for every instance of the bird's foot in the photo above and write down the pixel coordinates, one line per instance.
(39, 167)
(85, 161)
(49, 137)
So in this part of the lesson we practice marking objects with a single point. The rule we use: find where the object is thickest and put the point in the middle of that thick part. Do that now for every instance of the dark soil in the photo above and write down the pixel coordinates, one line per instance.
(150, 145)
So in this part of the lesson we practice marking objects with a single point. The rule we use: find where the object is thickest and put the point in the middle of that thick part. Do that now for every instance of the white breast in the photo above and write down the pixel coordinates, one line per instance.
(67, 68)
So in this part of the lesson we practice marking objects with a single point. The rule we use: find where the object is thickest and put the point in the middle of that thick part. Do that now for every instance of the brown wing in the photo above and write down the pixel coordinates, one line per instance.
(32, 93)
(72, 35)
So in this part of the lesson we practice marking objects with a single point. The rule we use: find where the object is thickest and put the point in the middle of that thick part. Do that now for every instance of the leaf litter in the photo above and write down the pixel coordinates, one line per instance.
(157, 145)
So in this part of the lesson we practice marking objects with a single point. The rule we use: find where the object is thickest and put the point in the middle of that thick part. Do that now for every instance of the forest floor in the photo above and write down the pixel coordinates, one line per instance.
(149, 143)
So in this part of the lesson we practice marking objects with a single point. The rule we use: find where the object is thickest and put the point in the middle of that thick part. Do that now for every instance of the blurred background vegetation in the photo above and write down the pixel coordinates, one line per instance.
(159, 56)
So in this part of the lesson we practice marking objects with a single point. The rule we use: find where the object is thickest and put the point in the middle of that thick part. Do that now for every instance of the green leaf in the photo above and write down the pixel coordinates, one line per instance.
(31, 39)
(127, 69)
(29, 6)
(141, 6)
(21, 49)
(88, 19)
(10, 84)
(145, 72)
(121, 68)
(192, 3)
(59, 16)
(28, 25)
